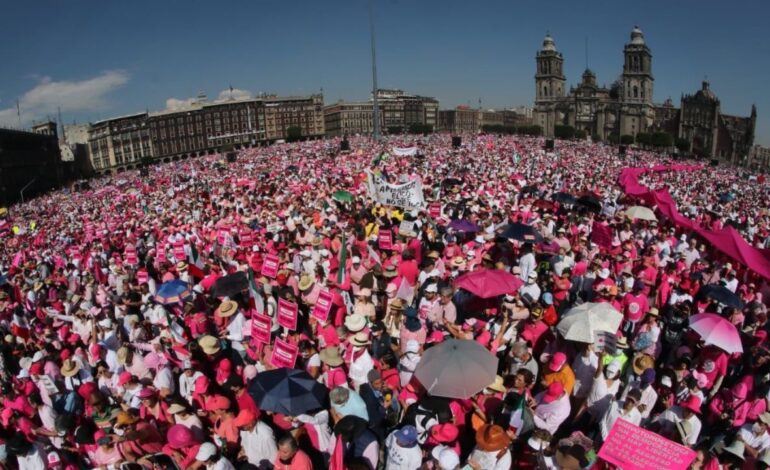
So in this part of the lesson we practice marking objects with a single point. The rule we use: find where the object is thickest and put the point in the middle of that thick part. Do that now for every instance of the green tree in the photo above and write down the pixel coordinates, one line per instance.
(293, 134)
(147, 161)
(683, 145)
(581, 134)
(596, 138)
(662, 140)
(394, 129)
(613, 138)
(644, 139)
(626, 139)
(564, 132)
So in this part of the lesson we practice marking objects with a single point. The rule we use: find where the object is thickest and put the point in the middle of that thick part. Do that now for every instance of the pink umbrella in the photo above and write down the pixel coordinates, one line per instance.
(717, 331)
(488, 283)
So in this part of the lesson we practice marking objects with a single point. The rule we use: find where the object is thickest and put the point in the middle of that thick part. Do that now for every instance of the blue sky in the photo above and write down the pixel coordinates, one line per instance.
(97, 59)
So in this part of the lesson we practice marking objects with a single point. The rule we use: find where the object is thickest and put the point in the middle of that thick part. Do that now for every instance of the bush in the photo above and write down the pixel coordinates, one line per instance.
(644, 139)
(417, 128)
(683, 145)
(564, 132)
(581, 134)
(662, 140)
(293, 134)
(626, 139)
(596, 138)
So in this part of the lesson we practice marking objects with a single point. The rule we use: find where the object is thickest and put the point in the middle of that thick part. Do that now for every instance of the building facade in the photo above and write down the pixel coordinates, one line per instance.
(347, 119)
(759, 158)
(461, 120)
(398, 112)
(304, 112)
(120, 142)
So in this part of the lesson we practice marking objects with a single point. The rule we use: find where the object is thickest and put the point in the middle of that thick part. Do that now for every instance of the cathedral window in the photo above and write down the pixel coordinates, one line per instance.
(636, 91)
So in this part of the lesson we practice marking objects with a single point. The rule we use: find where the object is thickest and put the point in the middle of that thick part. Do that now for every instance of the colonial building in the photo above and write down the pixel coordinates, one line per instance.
(461, 120)
(120, 142)
(343, 118)
(759, 158)
(624, 108)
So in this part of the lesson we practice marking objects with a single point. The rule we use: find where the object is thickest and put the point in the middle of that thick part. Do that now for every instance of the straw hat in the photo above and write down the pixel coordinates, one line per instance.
(497, 385)
(305, 282)
(227, 309)
(360, 339)
(492, 438)
(175, 408)
(122, 355)
(643, 362)
(181, 266)
(396, 304)
(355, 323)
(70, 368)
(209, 344)
(331, 357)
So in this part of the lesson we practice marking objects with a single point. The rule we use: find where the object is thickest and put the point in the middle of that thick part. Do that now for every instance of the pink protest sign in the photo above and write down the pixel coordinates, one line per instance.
(322, 306)
(161, 257)
(260, 328)
(179, 253)
(131, 258)
(385, 240)
(270, 266)
(246, 239)
(142, 276)
(287, 314)
(632, 448)
(435, 210)
(284, 354)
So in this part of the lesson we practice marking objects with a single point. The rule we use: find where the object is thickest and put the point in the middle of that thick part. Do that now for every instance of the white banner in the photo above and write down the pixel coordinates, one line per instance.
(409, 151)
(407, 195)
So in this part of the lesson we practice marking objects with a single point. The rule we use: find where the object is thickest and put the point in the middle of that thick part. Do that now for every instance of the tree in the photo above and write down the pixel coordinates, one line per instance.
(662, 140)
(564, 132)
(293, 134)
(626, 139)
(581, 134)
(644, 139)
(683, 145)
(596, 138)
(612, 138)
(394, 129)
(417, 128)
(147, 161)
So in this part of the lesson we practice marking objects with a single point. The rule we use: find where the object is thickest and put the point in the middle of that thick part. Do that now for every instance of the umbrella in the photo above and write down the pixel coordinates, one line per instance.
(456, 368)
(451, 182)
(342, 196)
(529, 189)
(581, 322)
(543, 204)
(290, 392)
(717, 331)
(172, 292)
(721, 294)
(590, 202)
(487, 283)
(230, 285)
(727, 197)
(462, 225)
(521, 232)
(564, 198)
(640, 213)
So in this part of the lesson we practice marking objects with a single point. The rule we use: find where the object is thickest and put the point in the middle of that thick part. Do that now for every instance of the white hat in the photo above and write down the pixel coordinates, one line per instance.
(324, 252)
(356, 260)
(604, 273)
(305, 253)
(613, 367)
(23, 374)
(431, 288)
(106, 323)
(205, 452)
(447, 457)
(38, 356)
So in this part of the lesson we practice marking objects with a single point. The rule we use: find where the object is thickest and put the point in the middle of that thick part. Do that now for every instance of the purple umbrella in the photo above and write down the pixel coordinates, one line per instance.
(462, 225)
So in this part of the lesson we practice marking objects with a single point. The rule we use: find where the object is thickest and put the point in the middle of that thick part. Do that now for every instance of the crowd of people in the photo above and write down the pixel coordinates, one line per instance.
(100, 369)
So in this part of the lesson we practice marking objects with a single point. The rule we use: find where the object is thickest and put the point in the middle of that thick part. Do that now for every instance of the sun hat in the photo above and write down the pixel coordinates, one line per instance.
(553, 392)
(122, 355)
(642, 362)
(396, 304)
(360, 339)
(765, 418)
(305, 282)
(355, 260)
(355, 322)
(491, 438)
(181, 266)
(557, 361)
(446, 456)
(38, 356)
(205, 452)
(390, 271)
(497, 385)
(175, 408)
(432, 288)
(407, 436)
(226, 309)
(331, 357)
(621, 342)
(737, 448)
(69, 368)
(209, 344)
(180, 436)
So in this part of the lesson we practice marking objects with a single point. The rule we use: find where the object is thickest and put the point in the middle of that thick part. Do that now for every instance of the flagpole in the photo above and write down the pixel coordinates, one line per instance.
(376, 115)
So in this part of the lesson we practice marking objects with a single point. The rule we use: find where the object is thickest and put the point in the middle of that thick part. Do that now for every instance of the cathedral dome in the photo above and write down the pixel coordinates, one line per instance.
(637, 37)
(548, 44)
(706, 93)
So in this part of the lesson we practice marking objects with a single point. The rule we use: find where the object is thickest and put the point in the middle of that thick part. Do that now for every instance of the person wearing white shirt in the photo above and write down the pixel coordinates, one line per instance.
(527, 262)
(531, 288)
(258, 444)
(362, 361)
(551, 408)
(187, 380)
(755, 436)
(626, 410)
(402, 451)
(584, 366)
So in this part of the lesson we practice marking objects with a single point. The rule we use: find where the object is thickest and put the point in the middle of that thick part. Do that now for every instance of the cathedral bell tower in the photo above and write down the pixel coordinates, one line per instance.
(636, 93)
(550, 85)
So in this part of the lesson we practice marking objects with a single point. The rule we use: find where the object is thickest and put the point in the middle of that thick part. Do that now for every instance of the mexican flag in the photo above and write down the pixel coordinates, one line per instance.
(256, 298)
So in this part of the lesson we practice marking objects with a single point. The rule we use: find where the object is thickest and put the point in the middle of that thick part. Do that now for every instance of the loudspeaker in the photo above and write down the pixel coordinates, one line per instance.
(345, 146)
(231, 157)
(549, 144)
(144, 172)
(457, 141)
(714, 162)
(622, 150)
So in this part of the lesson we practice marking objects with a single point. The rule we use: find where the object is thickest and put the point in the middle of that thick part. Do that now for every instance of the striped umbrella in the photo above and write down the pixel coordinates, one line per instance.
(172, 292)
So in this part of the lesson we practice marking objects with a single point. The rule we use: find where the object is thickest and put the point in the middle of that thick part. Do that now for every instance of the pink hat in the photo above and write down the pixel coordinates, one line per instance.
(152, 360)
(554, 392)
(201, 384)
(124, 378)
(557, 361)
(436, 337)
(444, 433)
(740, 391)
(95, 350)
(692, 403)
(217, 403)
(180, 436)
(146, 393)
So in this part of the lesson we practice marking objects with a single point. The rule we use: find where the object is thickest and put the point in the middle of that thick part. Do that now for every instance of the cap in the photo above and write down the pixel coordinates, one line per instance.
(407, 436)
(553, 392)
(205, 452)
(557, 361)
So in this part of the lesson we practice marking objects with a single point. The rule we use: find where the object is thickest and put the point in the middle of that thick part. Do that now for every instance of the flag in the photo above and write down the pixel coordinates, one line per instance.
(343, 259)
(259, 304)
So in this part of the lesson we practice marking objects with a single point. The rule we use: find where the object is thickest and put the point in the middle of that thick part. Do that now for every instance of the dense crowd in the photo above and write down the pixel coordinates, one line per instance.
(132, 313)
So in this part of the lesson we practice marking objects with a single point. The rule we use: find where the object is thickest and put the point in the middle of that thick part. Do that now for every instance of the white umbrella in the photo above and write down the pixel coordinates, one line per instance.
(641, 213)
(580, 323)
(456, 368)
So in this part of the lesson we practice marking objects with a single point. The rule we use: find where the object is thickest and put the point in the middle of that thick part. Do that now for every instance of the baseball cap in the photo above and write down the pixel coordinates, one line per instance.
(205, 452)
(407, 436)
(447, 458)
(557, 361)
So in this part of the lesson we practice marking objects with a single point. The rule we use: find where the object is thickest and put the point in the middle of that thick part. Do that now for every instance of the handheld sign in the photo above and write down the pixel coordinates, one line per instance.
(287, 314)
(632, 448)
(260, 328)
(270, 266)
(385, 240)
(284, 354)
(322, 306)
(435, 210)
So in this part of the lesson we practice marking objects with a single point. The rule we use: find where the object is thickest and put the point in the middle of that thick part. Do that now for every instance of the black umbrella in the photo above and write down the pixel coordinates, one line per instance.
(564, 198)
(531, 189)
(230, 285)
(590, 202)
(290, 392)
(721, 294)
(521, 232)
(451, 182)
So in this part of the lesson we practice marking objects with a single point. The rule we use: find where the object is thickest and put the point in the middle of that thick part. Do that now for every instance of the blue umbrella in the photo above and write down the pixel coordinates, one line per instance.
(290, 392)
(172, 292)
(462, 225)
(521, 232)
(721, 294)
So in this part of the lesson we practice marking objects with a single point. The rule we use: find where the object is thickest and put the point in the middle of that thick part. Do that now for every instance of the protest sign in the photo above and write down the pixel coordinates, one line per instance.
(407, 195)
(385, 239)
(406, 227)
(284, 354)
(632, 448)
(270, 266)
(142, 276)
(435, 210)
(179, 253)
(322, 306)
(404, 152)
(287, 314)
(260, 327)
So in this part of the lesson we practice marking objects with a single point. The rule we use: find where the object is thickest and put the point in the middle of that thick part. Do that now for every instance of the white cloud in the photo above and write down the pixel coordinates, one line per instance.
(236, 94)
(175, 104)
(71, 96)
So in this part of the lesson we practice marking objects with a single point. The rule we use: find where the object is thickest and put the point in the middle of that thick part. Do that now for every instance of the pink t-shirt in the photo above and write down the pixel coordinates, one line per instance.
(635, 306)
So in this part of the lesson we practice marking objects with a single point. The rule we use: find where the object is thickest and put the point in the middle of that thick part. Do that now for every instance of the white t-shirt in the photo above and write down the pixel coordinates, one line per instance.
(259, 445)
(760, 442)
(600, 396)
(490, 461)
(164, 379)
(401, 458)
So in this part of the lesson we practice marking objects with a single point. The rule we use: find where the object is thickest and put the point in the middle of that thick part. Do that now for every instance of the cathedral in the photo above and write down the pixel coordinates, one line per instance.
(627, 107)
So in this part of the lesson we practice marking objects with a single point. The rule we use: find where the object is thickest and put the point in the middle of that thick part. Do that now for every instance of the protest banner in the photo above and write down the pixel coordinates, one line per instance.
(284, 354)
(404, 152)
(287, 314)
(260, 328)
(322, 306)
(632, 448)
(270, 266)
(385, 239)
(407, 195)
(179, 253)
